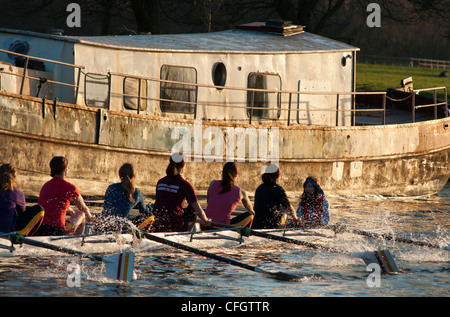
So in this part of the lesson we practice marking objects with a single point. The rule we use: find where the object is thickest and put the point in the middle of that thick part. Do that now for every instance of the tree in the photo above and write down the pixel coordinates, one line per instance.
(147, 14)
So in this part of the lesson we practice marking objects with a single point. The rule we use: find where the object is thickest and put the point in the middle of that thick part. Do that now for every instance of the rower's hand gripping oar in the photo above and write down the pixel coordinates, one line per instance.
(381, 257)
(276, 275)
(117, 266)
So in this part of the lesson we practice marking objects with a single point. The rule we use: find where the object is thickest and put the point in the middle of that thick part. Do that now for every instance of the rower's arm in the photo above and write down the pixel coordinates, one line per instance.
(246, 202)
(200, 213)
(291, 211)
(79, 202)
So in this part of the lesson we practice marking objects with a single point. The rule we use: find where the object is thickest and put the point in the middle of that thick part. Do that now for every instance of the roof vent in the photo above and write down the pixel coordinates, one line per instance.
(281, 27)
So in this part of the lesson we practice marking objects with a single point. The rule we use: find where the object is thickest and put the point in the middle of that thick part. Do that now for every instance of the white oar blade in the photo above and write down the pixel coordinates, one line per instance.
(120, 266)
(383, 258)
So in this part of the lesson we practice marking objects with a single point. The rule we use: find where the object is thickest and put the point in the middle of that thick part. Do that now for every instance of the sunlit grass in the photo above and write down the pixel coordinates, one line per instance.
(387, 76)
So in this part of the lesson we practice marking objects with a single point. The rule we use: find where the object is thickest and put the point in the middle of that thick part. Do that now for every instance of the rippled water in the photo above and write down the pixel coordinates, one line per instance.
(169, 272)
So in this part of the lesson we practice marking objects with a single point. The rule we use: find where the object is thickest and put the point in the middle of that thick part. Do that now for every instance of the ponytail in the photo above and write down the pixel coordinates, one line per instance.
(229, 174)
(8, 175)
(176, 163)
(127, 174)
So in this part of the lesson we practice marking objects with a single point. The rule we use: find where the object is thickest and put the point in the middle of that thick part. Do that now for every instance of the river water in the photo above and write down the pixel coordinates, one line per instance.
(168, 272)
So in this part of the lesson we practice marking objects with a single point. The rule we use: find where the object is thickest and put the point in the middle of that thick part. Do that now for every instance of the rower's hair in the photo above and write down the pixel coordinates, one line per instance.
(127, 175)
(270, 175)
(310, 200)
(8, 174)
(176, 163)
(57, 165)
(229, 173)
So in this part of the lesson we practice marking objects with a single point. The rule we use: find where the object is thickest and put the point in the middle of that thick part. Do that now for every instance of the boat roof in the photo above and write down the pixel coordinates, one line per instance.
(231, 41)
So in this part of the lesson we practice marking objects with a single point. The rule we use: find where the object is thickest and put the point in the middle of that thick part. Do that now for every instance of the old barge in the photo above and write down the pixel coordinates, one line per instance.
(250, 95)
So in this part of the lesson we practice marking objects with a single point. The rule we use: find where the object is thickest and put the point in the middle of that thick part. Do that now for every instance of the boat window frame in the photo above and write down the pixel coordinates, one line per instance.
(88, 101)
(219, 75)
(141, 95)
(259, 112)
(191, 104)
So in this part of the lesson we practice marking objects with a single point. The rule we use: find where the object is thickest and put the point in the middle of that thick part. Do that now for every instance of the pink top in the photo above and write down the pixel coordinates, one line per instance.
(220, 206)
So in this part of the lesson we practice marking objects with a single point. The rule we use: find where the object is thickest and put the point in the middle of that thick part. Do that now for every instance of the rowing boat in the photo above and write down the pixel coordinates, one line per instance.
(120, 266)
(111, 242)
(329, 239)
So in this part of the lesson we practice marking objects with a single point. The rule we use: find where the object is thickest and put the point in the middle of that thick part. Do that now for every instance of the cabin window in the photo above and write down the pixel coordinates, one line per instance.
(219, 75)
(266, 105)
(132, 88)
(180, 98)
(96, 90)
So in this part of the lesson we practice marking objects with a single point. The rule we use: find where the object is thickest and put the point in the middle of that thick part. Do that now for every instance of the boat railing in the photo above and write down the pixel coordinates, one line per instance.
(249, 106)
(251, 94)
(435, 103)
(25, 75)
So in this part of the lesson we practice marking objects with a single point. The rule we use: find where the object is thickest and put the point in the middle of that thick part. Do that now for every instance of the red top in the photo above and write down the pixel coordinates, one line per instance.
(55, 198)
(168, 209)
(220, 206)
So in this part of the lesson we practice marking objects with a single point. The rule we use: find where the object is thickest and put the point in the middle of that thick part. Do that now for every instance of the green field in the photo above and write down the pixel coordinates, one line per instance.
(386, 76)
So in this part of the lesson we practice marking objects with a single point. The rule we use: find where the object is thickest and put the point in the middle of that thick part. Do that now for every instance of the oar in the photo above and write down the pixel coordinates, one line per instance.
(382, 257)
(117, 266)
(277, 275)
(385, 236)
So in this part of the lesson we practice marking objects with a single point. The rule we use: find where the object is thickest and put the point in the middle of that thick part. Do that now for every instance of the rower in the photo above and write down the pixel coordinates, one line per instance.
(313, 206)
(271, 202)
(223, 196)
(14, 214)
(55, 197)
(120, 199)
(171, 192)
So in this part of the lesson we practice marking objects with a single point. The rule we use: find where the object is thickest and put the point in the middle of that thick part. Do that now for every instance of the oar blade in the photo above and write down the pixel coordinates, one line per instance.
(120, 266)
(282, 276)
(383, 258)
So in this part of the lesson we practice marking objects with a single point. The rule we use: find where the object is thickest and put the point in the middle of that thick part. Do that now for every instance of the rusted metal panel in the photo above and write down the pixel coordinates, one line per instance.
(346, 160)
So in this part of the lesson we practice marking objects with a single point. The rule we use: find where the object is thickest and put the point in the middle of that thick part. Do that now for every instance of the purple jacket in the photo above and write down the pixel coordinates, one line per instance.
(12, 202)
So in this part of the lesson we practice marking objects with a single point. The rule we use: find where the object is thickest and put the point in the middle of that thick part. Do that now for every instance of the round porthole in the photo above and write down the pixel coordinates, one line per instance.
(20, 47)
(219, 75)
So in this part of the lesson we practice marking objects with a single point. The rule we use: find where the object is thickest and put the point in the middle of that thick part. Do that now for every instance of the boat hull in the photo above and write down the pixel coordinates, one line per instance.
(392, 160)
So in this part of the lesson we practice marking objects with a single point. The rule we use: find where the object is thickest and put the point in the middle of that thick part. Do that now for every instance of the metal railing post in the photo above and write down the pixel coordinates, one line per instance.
(24, 76)
(252, 100)
(289, 111)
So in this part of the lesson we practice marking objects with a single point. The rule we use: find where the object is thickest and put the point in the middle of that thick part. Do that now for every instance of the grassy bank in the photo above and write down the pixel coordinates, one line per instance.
(386, 76)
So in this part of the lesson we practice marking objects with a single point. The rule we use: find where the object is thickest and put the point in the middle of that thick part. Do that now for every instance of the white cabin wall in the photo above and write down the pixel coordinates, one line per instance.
(316, 72)
(319, 72)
